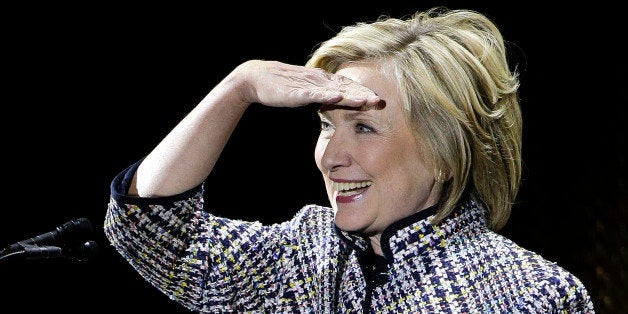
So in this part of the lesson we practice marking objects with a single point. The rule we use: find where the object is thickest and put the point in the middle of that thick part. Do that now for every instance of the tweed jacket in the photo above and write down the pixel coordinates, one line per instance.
(306, 265)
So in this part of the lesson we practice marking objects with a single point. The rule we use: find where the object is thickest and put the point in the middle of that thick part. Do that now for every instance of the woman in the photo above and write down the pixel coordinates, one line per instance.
(420, 152)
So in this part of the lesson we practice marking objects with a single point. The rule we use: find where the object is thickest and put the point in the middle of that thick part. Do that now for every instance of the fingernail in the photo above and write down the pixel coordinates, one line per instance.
(380, 105)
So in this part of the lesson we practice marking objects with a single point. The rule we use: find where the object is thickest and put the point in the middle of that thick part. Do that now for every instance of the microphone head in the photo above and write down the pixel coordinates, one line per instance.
(76, 230)
(83, 251)
(72, 236)
(79, 226)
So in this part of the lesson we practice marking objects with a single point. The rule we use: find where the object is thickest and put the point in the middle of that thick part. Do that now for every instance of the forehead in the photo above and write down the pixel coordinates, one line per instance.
(373, 76)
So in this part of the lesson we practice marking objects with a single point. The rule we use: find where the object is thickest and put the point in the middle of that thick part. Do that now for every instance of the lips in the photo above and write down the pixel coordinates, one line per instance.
(347, 191)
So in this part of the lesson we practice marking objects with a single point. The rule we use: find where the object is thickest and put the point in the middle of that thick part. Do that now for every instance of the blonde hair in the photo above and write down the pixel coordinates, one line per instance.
(461, 96)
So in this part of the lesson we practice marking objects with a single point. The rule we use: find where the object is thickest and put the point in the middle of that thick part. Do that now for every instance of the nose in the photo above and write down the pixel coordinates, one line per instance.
(336, 154)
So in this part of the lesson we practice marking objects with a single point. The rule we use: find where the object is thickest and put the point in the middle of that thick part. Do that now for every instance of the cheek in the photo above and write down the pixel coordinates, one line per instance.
(383, 157)
(416, 174)
(400, 162)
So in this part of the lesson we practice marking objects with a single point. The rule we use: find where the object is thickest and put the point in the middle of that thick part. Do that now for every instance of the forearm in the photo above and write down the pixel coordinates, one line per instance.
(186, 156)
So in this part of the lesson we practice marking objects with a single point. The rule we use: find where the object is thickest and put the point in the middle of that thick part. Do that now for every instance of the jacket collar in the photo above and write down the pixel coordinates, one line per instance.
(416, 234)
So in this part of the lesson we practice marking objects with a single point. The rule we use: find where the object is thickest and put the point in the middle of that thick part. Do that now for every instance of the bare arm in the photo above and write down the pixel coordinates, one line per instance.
(186, 156)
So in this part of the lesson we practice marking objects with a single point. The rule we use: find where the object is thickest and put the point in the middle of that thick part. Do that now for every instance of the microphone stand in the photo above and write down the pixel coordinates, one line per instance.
(31, 251)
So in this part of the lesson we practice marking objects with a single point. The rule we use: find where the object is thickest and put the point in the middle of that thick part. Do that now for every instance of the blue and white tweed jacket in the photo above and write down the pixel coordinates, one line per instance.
(306, 265)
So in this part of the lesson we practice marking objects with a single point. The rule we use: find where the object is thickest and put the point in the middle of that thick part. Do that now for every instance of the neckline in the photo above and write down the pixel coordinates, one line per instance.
(362, 244)
(401, 224)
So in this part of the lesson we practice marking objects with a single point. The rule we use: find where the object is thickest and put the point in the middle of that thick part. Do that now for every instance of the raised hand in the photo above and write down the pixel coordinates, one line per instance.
(278, 84)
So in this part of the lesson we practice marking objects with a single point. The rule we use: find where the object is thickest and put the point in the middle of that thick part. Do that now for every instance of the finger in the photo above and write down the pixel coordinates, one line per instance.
(325, 87)
(366, 101)
(381, 104)
(355, 94)
(332, 106)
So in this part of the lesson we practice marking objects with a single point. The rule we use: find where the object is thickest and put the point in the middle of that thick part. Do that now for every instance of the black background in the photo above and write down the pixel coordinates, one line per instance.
(88, 90)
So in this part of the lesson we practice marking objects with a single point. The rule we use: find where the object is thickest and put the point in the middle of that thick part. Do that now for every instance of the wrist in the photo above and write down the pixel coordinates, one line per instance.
(241, 89)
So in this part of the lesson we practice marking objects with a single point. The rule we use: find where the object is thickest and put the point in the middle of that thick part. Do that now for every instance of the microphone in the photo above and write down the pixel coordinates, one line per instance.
(77, 252)
(75, 228)
(63, 241)
(81, 252)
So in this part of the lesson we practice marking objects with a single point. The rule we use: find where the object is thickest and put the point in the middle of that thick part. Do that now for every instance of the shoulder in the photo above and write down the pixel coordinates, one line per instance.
(313, 224)
(541, 283)
(553, 286)
(313, 215)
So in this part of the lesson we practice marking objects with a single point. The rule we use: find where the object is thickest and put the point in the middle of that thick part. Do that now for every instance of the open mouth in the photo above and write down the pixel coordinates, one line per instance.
(350, 188)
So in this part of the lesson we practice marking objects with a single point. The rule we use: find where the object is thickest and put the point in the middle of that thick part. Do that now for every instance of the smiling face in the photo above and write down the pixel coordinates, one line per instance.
(374, 168)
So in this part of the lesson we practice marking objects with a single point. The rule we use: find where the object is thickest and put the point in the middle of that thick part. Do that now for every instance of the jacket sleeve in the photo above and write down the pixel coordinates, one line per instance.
(552, 289)
(573, 294)
(195, 258)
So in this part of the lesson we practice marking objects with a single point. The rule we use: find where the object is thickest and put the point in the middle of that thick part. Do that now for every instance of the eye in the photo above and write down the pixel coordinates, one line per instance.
(363, 128)
(325, 126)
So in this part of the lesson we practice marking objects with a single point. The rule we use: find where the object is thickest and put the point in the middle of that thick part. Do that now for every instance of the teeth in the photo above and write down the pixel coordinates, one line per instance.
(344, 186)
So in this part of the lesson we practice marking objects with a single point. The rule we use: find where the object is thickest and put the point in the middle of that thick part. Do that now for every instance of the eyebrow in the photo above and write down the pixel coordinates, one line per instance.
(347, 115)
(350, 112)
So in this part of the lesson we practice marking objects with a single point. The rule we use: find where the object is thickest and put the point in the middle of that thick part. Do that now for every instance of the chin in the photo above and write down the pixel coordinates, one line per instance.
(350, 221)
